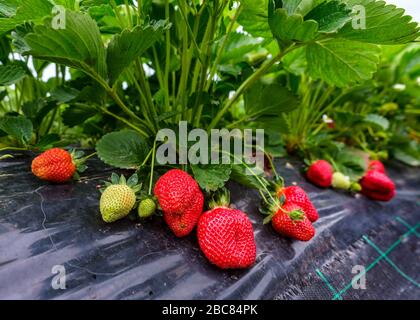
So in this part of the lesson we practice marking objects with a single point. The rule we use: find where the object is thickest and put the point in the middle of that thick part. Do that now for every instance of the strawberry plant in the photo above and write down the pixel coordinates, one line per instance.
(147, 65)
(124, 70)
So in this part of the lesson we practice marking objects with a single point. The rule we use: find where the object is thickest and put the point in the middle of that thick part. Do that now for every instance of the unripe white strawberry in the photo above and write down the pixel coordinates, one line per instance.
(118, 199)
(340, 181)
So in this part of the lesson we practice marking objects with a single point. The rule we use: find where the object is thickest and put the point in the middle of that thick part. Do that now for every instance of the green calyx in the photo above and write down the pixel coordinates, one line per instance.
(270, 209)
(131, 182)
(220, 198)
(296, 215)
(79, 161)
(276, 185)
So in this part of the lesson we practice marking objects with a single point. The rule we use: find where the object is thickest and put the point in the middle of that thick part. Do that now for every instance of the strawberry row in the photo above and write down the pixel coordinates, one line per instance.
(225, 234)
(375, 184)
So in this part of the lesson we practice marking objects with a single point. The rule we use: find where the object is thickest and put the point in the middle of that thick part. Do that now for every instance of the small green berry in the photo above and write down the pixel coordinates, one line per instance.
(147, 207)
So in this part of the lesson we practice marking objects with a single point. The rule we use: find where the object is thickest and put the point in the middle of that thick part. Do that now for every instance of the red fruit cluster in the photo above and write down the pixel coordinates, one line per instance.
(298, 196)
(181, 201)
(225, 235)
(293, 215)
(376, 185)
(320, 173)
(55, 165)
(226, 238)
(292, 222)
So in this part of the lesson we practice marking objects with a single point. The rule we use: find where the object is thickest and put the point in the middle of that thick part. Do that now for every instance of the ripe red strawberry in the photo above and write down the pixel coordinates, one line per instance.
(226, 238)
(180, 199)
(55, 165)
(377, 186)
(320, 173)
(377, 166)
(290, 221)
(297, 195)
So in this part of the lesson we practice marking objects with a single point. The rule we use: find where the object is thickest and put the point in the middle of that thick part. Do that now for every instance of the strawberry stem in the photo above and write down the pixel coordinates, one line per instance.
(152, 167)
(13, 148)
(260, 180)
(146, 159)
(333, 164)
(87, 157)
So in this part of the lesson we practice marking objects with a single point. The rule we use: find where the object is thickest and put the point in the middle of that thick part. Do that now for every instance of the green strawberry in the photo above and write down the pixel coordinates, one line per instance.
(340, 181)
(356, 187)
(119, 197)
(147, 207)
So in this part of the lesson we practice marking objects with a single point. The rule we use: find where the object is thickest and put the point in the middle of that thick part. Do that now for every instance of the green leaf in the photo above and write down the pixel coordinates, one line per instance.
(295, 61)
(300, 6)
(407, 63)
(237, 46)
(70, 4)
(269, 100)
(78, 45)
(239, 174)
(123, 149)
(8, 8)
(77, 114)
(292, 27)
(254, 18)
(377, 120)
(211, 177)
(19, 127)
(37, 110)
(48, 141)
(3, 94)
(408, 153)
(351, 164)
(18, 36)
(5, 49)
(342, 62)
(11, 73)
(64, 94)
(27, 10)
(276, 151)
(385, 24)
(129, 45)
(330, 15)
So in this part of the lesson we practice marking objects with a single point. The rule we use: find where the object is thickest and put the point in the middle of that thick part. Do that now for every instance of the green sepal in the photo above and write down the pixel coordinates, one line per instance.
(220, 198)
(133, 180)
(268, 218)
(81, 168)
(76, 176)
(136, 188)
(297, 215)
(115, 178)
